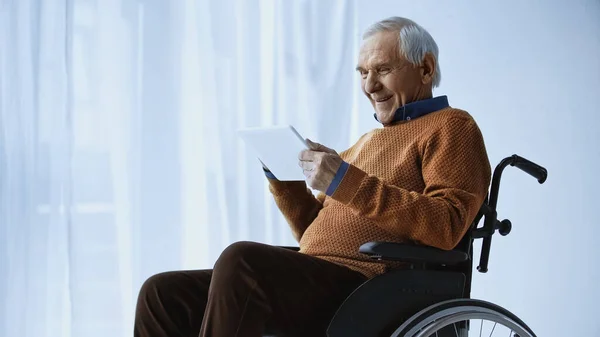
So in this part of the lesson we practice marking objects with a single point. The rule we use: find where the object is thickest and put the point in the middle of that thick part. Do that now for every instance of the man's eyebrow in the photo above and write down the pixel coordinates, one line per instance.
(383, 64)
(376, 66)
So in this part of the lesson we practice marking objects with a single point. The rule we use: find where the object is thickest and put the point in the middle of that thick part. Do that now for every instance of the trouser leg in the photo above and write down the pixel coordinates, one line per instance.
(172, 304)
(255, 285)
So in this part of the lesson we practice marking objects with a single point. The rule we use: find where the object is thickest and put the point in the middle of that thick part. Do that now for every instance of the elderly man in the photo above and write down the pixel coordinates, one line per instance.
(419, 178)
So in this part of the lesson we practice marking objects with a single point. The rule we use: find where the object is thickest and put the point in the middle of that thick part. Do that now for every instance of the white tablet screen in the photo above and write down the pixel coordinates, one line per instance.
(278, 148)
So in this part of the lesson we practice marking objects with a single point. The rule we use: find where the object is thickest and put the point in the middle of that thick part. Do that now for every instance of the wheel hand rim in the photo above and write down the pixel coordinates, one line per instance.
(421, 330)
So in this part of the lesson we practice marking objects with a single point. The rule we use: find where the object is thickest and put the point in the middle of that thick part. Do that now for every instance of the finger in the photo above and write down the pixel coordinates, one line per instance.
(319, 147)
(308, 175)
(307, 155)
(307, 165)
(312, 145)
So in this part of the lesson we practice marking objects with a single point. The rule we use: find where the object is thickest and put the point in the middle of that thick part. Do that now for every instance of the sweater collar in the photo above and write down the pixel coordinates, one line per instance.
(420, 108)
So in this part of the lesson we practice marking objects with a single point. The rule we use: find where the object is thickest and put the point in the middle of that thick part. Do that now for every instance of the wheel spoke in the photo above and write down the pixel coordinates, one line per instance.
(494, 327)
(510, 334)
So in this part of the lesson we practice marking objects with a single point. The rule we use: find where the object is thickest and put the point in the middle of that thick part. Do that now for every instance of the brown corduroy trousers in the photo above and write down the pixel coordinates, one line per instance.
(254, 289)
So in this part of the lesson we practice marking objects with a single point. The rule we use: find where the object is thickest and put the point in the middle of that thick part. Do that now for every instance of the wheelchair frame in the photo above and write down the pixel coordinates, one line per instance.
(434, 279)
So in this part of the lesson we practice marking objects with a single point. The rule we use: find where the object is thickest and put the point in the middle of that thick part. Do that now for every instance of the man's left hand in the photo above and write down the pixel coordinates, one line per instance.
(320, 164)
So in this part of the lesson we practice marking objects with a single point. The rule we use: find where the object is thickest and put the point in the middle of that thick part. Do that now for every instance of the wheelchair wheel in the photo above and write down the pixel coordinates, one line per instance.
(463, 318)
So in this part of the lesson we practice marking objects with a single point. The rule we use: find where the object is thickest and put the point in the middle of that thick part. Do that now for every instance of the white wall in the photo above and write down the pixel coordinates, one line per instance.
(529, 72)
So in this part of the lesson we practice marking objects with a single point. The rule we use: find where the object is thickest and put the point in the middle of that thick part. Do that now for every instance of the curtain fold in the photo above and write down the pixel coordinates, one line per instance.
(118, 149)
(36, 175)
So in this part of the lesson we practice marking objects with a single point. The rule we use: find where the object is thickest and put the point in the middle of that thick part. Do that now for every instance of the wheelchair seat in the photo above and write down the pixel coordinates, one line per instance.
(430, 296)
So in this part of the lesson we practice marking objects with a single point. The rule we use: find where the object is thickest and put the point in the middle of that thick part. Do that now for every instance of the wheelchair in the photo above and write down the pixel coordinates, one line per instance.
(430, 297)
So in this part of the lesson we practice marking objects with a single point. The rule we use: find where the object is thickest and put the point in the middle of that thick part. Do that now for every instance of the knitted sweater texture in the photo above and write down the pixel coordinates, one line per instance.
(420, 181)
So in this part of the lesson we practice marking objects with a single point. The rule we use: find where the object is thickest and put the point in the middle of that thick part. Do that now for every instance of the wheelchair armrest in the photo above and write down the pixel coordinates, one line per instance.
(294, 248)
(412, 253)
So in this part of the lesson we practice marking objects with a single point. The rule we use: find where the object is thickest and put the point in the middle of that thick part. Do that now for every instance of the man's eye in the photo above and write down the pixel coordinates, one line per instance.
(364, 74)
(385, 70)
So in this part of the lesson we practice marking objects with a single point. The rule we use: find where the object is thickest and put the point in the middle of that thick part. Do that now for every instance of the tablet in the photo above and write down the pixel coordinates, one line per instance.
(278, 148)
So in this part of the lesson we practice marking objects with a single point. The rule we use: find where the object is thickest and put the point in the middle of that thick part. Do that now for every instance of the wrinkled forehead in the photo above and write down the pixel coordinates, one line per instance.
(379, 48)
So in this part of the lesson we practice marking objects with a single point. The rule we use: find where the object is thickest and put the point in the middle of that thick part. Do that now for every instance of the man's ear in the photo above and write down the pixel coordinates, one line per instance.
(428, 69)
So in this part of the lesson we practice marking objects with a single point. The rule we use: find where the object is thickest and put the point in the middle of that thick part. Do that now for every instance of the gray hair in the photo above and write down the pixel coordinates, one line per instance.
(414, 41)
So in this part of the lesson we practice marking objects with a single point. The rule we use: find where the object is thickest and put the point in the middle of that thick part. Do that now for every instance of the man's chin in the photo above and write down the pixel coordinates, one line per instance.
(385, 117)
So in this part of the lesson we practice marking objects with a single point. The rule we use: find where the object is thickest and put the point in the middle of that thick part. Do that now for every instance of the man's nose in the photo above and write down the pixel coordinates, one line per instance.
(372, 83)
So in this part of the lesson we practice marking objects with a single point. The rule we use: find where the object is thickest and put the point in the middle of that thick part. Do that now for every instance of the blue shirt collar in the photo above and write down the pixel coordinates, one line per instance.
(420, 108)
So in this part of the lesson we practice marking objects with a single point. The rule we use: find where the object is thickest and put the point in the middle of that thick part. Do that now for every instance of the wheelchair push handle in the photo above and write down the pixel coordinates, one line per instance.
(530, 167)
(491, 223)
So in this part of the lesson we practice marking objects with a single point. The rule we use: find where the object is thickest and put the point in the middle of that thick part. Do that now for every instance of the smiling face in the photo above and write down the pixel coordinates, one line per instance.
(389, 80)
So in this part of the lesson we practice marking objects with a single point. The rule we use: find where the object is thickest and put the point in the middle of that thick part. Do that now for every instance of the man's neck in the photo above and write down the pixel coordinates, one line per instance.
(420, 96)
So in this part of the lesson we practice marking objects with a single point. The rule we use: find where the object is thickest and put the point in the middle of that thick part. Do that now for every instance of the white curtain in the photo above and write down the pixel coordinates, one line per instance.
(118, 152)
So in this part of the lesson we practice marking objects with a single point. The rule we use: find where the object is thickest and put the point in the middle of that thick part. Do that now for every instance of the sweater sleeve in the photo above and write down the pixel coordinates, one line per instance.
(297, 203)
(456, 172)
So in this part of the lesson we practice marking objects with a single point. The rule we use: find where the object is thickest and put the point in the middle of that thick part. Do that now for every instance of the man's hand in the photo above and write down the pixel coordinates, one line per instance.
(320, 164)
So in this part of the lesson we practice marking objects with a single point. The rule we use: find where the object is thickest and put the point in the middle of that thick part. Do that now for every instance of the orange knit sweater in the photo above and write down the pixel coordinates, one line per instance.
(420, 181)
